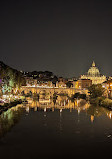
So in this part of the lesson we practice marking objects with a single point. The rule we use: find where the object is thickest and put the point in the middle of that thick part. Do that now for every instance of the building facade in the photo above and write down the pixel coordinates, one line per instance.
(82, 84)
(108, 86)
(94, 75)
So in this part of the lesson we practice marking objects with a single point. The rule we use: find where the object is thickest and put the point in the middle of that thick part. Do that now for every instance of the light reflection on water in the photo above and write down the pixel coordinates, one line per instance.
(75, 122)
(9, 118)
(13, 115)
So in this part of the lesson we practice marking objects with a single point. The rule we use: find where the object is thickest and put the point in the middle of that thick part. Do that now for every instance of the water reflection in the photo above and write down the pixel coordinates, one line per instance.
(12, 116)
(63, 102)
(9, 118)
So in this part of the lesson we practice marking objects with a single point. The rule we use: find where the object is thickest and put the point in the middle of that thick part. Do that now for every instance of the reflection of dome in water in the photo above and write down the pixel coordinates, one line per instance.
(93, 71)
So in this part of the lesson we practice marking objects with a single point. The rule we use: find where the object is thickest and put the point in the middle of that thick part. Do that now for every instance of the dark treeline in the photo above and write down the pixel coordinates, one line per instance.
(42, 75)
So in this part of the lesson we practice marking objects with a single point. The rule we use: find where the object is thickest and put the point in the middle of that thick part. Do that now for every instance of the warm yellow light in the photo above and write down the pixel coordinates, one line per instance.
(92, 118)
(45, 109)
(60, 110)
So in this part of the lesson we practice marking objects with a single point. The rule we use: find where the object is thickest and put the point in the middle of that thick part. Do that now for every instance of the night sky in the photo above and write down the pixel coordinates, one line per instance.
(59, 36)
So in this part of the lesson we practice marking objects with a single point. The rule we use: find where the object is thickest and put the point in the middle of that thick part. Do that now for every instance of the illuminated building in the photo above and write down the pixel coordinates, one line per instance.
(82, 83)
(108, 86)
(30, 81)
(94, 75)
(61, 82)
(45, 83)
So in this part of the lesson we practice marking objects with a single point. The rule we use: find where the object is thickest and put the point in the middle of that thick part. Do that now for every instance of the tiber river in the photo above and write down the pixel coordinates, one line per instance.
(47, 129)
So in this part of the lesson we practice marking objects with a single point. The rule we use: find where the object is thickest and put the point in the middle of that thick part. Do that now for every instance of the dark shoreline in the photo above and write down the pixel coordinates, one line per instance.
(6, 106)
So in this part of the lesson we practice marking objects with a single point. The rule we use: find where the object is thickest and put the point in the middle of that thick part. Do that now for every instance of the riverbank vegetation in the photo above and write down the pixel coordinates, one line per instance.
(97, 96)
(10, 79)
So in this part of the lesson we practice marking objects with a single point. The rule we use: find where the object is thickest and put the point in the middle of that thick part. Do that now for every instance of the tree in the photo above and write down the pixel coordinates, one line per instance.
(54, 80)
(83, 96)
(79, 96)
(76, 95)
(11, 78)
(96, 91)
(69, 84)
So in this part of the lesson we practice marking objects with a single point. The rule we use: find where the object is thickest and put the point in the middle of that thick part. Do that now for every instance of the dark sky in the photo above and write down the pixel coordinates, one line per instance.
(59, 36)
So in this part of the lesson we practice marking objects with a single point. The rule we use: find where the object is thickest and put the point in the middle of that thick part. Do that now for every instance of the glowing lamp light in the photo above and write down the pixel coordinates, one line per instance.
(110, 115)
(60, 110)
(4, 96)
(45, 109)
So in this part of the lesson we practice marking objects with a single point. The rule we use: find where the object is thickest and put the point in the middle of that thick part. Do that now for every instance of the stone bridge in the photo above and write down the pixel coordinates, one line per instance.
(52, 90)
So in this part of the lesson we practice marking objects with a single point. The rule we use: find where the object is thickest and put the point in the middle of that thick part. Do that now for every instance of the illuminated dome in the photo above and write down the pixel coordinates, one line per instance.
(93, 71)
(94, 75)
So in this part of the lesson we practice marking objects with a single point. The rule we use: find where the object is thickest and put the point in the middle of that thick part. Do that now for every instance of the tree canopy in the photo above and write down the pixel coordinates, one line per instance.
(69, 84)
(96, 91)
(11, 78)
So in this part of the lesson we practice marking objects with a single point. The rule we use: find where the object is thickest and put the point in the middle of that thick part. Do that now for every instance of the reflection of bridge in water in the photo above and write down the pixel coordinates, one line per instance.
(51, 91)
(60, 104)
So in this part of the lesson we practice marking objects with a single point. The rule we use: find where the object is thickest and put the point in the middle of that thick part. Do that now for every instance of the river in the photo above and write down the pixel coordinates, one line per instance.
(55, 130)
